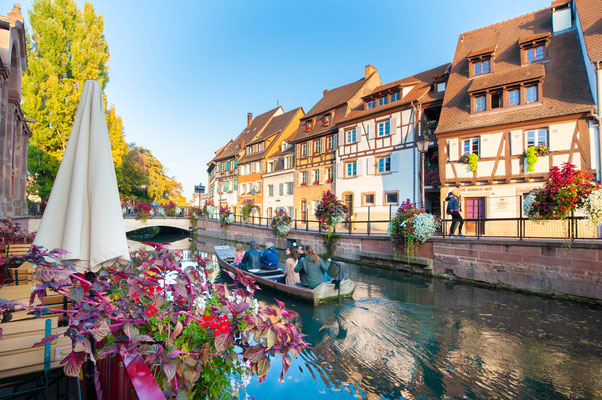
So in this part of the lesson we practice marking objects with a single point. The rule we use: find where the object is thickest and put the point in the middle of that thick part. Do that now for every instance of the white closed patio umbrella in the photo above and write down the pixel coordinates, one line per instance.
(83, 215)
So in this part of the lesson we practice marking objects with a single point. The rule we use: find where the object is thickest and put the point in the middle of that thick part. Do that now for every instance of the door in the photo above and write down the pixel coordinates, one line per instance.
(303, 210)
(348, 200)
(475, 209)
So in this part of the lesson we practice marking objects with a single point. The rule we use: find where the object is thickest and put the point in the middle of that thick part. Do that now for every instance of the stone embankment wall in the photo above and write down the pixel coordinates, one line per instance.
(541, 266)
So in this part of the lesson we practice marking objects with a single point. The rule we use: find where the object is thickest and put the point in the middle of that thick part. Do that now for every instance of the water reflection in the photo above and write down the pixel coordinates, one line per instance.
(406, 336)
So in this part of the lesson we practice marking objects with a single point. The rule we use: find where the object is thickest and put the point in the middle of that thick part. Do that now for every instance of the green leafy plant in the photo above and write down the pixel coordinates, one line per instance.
(531, 158)
(246, 210)
(472, 161)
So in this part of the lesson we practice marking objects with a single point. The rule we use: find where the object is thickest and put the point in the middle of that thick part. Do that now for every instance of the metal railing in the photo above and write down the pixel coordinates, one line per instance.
(517, 228)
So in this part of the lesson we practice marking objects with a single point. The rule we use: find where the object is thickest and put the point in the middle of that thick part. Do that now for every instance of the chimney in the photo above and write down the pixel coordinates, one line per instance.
(324, 92)
(249, 119)
(562, 18)
(369, 70)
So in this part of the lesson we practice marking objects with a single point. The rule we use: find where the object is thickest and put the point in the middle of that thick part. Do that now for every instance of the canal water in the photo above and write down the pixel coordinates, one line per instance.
(406, 336)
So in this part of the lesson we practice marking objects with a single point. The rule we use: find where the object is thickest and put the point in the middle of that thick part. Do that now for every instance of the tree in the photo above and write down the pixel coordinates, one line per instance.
(66, 46)
(144, 177)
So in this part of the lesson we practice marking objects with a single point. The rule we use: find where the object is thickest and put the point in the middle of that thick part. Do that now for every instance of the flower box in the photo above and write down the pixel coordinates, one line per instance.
(316, 183)
(329, 180)
(303, 184)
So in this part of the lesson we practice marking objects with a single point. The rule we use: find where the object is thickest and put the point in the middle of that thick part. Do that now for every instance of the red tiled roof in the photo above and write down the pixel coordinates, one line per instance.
(335, 97)
(276, 125)
(335, 101)
(565, 87)
(422, 91)
(508, 77)
(590, 17)
(247, 134)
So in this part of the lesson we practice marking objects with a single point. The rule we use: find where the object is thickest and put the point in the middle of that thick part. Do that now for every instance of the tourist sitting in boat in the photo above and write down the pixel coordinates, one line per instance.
(290, 276)
(240, 253)
(252, 258)
(300, 253)
(269, 257)
(311, 268)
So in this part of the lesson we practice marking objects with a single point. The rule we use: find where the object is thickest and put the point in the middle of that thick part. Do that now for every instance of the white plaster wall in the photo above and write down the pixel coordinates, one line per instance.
(277, 201)
(561, 135)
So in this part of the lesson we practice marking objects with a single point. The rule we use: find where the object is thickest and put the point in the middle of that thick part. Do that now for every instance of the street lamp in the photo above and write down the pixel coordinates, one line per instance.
(199, 189)
(422, 143)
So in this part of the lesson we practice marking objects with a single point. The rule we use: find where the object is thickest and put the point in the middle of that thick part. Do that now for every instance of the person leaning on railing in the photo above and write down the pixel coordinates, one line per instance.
(453, 209)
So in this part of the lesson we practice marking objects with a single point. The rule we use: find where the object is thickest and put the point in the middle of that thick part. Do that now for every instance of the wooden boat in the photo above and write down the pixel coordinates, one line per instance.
(321, 294)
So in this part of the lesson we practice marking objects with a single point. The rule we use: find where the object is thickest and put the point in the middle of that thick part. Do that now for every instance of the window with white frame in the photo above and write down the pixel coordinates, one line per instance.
(471, 146)
(304, 150)
(317, 146)
(351, 136)
(330, 174)
(270, 166)
(384, 164)
(288, 162)
(289, 188)
(537, 137)
(441, 87)
(258, 184)
(281, 189)
(330, 143)
(316, 176)
(304, 178)
(243, 188)
(270, 190)
(383, 128)
(351, 169)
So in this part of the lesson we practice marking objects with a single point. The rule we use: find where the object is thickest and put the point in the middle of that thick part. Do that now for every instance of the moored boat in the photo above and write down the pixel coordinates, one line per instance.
(321, 294)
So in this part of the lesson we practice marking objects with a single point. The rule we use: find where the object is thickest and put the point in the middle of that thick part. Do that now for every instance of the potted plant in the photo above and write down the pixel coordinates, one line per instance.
(566, 190)
(410, 227)
(281, 223)
(198, 339)
(470, 160)
(143, 210)
(246, 210)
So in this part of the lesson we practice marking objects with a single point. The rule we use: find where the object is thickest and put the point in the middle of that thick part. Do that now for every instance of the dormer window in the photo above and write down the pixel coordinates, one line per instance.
(383, 101)
(395, 96)
(440, 87)
(481, 67)
(371, 104)
(309, 125)
(327, 119)
(532, 93)
(534, 54)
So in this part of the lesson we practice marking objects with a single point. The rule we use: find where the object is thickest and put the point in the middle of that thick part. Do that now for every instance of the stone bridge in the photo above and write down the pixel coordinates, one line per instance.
(131, 223)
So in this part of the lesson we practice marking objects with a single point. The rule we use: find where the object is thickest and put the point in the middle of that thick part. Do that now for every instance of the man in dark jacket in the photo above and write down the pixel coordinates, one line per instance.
(453, 209)
(251, 259)
(269, 257)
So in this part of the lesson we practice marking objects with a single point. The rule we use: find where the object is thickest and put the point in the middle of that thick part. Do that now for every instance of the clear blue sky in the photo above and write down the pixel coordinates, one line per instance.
(184, 75)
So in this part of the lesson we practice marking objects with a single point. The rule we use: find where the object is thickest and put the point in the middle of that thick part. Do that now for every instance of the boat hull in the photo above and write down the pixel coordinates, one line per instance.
(321, 294)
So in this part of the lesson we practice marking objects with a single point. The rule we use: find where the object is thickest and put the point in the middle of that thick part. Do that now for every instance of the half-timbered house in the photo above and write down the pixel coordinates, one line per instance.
(226, 161)
(316, 139)
(252, 165)
(378, 165)
(279, 181)
(515, 85)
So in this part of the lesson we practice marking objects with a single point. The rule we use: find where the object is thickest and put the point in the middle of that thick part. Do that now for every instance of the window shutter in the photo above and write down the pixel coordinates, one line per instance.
(342, 138)
(339, 168)
(516, 145)
(370, 166)
(360, 167)
(368, 132)
(393, 125)
(453, 149)
(395, 162)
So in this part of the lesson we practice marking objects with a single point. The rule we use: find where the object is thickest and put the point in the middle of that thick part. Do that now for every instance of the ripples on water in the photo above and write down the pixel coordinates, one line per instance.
(406, 336)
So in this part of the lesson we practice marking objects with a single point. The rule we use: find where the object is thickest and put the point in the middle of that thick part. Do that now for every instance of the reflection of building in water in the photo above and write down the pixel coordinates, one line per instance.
(361, 348)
